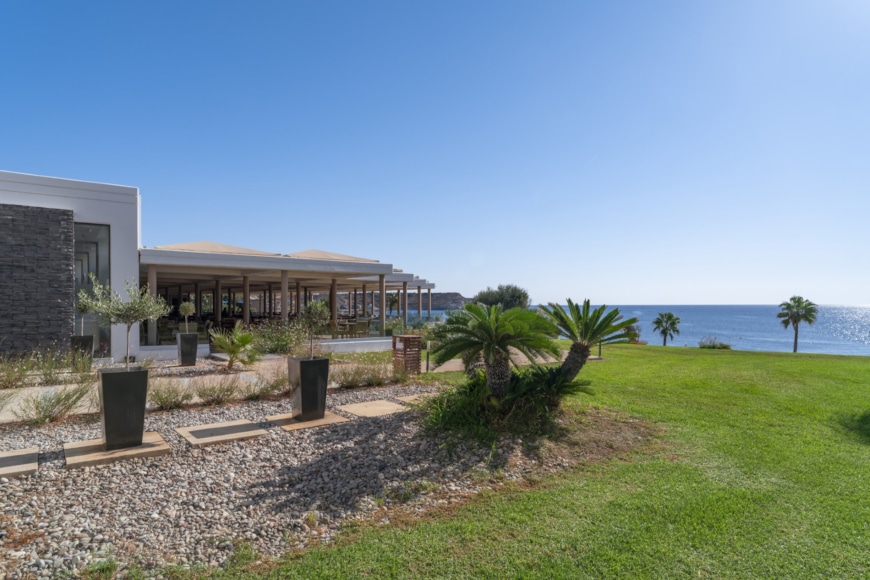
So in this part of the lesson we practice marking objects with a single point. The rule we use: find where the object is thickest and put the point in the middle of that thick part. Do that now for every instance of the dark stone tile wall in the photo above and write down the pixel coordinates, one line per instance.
(37, 286)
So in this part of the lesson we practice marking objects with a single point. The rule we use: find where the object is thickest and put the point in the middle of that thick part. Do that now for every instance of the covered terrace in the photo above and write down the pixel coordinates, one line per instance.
(229, 283)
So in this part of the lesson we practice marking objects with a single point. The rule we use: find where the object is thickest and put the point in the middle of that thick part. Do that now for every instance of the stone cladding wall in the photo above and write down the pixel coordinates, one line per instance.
(37, 285)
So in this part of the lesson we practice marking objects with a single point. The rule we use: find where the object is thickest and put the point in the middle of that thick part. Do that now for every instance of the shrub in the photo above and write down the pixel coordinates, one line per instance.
(278, 337)
(367, 369)
(262, 386)
(471, 410)
(53, 366)
(217, 391)
(508, 295)
(236, 344)
(51, 404)
(712, 342)
(168, 394)
(13, 371)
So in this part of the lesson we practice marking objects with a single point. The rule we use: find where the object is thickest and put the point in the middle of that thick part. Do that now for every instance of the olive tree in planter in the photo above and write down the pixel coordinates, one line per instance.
(187, 341)
(123, 392)
(308, 376)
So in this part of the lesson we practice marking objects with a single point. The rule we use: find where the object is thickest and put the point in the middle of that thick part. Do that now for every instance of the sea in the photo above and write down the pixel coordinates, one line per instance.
(838, 329)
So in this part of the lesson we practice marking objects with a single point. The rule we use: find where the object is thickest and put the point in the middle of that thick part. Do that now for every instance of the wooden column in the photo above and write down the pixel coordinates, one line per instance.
(404, 301)
(285, 303)
(198, 291)
(298, 297)
(365, 312)
(333, 300)
(246, 299)
(419, 302)
(429, 305)
(218, 303)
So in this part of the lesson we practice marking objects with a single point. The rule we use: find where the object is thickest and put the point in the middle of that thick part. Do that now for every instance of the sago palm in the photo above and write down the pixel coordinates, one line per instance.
(667, 324)
(492, 332)
(585, 328)
(795, 310)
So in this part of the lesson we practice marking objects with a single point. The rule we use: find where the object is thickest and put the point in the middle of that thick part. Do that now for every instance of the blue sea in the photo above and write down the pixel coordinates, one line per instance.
(838, 329)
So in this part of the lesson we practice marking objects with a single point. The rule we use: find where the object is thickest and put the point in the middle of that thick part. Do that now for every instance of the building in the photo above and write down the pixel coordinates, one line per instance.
(56, 232)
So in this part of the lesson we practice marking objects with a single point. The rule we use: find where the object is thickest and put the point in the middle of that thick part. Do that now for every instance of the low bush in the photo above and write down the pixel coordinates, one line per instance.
(13, 371)
(218, 390)
(52, 404)
(712, 342)
(168, 394)
(366, 370)
(470, 410)
(278, 337)
(261, 387)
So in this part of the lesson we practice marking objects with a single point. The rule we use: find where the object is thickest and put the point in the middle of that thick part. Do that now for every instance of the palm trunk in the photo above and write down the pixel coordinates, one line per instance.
(795, 337)
(498, 375)
(665, 343)
(574, 362)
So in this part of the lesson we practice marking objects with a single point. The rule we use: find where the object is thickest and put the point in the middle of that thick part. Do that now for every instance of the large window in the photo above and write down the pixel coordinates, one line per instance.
(92, 257)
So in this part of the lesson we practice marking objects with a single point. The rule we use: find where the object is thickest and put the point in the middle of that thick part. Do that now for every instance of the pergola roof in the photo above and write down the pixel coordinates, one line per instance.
(214, 248)
(207, 262)
(322, 255)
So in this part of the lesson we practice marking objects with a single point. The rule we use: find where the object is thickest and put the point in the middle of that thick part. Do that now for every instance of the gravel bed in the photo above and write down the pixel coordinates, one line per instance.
(277, 492)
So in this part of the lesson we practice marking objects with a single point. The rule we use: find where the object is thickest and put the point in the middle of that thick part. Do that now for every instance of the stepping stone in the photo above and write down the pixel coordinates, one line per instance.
(19, 462)
(416, 398)
(288, 423)
(93, 452)
(373, 408)
(214, 433)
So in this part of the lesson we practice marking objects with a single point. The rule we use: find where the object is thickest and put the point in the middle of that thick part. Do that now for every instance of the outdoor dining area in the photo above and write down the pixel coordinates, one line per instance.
(229, 285)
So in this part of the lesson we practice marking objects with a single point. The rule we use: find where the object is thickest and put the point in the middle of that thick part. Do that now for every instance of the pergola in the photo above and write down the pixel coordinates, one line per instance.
(282, 283)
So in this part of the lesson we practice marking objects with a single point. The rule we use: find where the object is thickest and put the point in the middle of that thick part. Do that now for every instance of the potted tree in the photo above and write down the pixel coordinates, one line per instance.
(123, 392)
(187, 341)
(308, 376)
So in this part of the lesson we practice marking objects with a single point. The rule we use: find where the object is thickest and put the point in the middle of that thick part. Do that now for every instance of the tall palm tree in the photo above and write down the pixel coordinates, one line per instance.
(795, 310)
(667, 325)
(492, 332)
(584, 328)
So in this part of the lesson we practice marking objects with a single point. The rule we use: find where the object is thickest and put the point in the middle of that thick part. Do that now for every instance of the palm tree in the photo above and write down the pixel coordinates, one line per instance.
(585, 327)
(667, 325)
(393, 302)
(492, 332)
(796, 310)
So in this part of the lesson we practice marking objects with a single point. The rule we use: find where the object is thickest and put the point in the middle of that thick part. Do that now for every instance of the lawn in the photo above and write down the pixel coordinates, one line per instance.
(761, 469)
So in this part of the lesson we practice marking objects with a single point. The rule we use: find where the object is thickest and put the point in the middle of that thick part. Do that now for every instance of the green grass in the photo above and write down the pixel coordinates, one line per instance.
(762, 471)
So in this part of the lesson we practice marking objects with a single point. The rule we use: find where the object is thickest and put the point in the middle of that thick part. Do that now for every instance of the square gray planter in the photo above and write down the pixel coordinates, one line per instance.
(123, 395)
(308, 378)
(187, 344)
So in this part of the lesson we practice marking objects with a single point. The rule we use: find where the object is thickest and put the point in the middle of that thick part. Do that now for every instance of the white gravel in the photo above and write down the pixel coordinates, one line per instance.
(277, 492)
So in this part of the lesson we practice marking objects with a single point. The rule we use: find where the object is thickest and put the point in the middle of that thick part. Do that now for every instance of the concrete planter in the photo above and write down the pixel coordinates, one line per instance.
(187, 344)
(123, 395)
(308, 380)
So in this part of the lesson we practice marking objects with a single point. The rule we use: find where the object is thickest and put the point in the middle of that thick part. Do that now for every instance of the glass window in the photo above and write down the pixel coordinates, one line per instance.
(92, 257)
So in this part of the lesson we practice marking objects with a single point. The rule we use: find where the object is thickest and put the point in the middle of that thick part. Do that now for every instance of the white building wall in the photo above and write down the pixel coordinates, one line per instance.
(96, 203)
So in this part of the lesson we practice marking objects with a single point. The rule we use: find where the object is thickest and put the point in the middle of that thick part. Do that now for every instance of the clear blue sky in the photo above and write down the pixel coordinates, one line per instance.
(668, 152)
